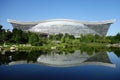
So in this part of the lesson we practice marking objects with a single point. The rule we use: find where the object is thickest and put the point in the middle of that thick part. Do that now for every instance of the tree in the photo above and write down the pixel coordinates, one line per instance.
(58, 36)
(24, 37)
(8, 35)
(17, 36)
(52, 37)
(71, 37)
(66, 37)
(3, 36)
(117, 37)
(33, 38)
(89, 38)
(1, 27)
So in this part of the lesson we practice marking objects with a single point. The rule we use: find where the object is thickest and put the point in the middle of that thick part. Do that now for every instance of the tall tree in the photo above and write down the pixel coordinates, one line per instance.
(117, 37)
(33, 38)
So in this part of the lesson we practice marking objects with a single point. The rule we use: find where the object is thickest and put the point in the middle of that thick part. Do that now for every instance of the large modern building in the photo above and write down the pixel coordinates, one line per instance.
(56, 26)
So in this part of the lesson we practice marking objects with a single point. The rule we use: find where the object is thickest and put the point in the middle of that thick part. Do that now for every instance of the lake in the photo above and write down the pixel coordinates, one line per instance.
(60, 65)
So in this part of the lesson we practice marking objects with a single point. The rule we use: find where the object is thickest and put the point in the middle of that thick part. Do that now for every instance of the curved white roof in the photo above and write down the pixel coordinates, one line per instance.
(69, 20)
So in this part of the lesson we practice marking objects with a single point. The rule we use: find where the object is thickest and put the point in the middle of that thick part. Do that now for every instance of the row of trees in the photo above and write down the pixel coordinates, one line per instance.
(20, 37)
(100, 39)
(17, 37)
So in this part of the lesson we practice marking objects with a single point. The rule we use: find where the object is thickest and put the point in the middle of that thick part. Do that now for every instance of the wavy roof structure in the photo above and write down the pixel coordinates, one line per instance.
(70, 20)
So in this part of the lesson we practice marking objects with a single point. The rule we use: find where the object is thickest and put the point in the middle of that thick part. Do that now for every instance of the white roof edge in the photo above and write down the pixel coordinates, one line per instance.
(50, 20)
(20, 22)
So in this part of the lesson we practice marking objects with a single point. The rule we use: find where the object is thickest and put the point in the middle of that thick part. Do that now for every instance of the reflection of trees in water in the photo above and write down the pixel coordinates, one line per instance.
(84, 48)
(100, 57)
(20, 55)
(116, 51)
(32, 55)
(4, 58)
(91, 50)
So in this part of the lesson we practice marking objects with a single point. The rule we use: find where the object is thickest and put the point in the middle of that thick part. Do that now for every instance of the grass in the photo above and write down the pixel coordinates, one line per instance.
(60, 46)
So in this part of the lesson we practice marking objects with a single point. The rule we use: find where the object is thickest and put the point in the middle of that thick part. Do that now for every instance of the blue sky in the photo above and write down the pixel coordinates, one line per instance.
(84, 10)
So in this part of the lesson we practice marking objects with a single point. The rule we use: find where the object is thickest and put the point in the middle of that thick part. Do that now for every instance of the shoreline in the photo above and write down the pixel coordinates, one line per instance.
(58, 47)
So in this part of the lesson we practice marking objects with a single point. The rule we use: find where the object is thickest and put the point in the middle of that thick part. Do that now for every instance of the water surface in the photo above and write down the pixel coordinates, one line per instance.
(42, 65)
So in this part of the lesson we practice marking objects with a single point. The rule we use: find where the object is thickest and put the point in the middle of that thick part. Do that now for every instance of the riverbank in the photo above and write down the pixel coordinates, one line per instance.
(62, 46)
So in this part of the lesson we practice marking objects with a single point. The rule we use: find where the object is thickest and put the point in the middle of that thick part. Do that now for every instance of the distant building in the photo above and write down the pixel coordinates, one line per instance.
(56, 26)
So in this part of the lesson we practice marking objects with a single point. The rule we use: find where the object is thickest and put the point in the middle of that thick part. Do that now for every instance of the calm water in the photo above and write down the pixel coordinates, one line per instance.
(58, 65)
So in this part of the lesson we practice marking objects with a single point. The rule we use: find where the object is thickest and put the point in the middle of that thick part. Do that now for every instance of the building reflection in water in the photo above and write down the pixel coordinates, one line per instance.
(74, 59)
(62, 59)
(114, 59)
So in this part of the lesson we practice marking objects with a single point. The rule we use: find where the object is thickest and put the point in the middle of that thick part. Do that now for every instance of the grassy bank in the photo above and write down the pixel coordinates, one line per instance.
(61, 46)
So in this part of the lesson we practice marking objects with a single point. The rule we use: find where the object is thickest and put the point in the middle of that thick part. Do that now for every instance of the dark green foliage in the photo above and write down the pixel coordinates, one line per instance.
(87, 38)
(117, 37)
(1, 27)
(33, 38)
(56, 37)
(19, 37)
(5, 35)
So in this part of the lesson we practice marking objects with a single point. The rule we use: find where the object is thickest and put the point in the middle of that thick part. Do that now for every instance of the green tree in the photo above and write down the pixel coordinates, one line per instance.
(1, 35)
(33, 38)
(117, 37)
(58, 36)
(24, 37)
(1, 27)
(17, 36)
(52, 37)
